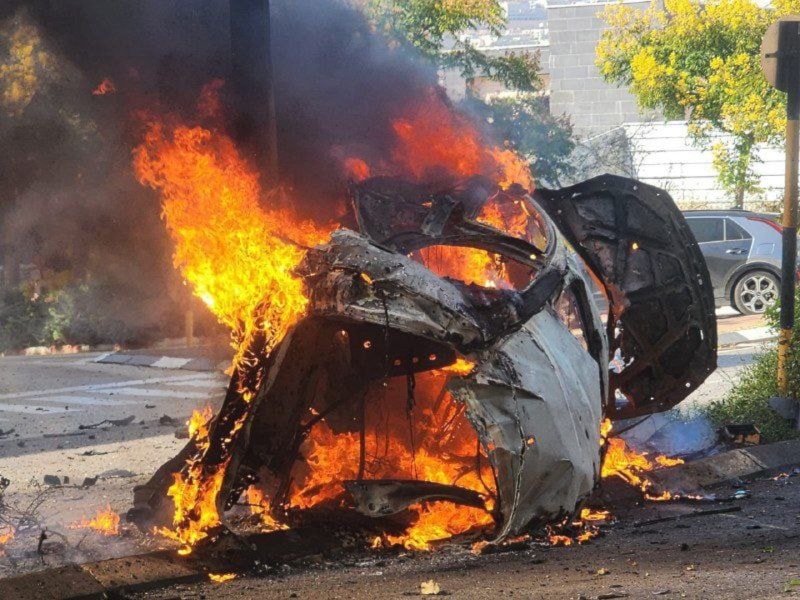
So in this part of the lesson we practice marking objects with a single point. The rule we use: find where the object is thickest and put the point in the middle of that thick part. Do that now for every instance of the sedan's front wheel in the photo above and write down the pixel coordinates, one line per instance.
(755, 292)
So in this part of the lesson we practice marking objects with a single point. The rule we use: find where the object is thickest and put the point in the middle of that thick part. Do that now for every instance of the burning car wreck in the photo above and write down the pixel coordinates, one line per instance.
(454, 362)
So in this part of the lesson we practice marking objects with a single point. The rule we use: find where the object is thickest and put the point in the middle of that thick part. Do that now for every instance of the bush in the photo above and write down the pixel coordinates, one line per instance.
(22, 321)
(79, 313)
(748, 400)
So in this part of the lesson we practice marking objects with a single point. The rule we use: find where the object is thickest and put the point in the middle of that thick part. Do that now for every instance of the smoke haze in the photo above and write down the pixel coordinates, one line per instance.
(69, 199)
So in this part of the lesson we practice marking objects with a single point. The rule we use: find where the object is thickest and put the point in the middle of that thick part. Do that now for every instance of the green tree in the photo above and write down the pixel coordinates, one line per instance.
(435, 29)
(699, 61)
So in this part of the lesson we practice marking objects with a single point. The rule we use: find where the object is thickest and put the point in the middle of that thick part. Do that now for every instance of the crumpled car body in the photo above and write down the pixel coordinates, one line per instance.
(540, 383)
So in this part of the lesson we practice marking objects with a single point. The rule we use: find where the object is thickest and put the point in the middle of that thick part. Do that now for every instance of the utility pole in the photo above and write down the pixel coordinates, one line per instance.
(251, 83)
(780, 61)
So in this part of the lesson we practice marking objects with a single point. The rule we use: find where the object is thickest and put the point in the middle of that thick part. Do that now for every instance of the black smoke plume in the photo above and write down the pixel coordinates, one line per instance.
(69, 199)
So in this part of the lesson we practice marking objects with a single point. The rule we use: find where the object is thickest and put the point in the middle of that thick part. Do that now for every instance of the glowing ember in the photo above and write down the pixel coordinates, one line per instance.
(259, 505)
(5, 539)
(221, 577)
(104, 87)
(627, 464)
(587, 514)
(106, 522)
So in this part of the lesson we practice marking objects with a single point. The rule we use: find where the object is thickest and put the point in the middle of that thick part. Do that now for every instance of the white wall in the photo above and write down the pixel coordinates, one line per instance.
(664, 156)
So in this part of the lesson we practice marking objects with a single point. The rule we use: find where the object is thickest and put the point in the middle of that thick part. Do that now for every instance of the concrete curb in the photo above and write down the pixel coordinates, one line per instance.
(742, 463)
(156, 361)
(746, 336)
(95, 580)
(158, 569)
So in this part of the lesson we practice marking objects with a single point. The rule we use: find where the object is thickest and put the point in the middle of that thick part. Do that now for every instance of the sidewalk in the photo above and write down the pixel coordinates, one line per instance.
(209, 356)
(734, 329)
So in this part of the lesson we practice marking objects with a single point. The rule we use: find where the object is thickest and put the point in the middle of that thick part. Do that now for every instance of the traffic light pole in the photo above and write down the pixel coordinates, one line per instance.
(788, 266)
(780, 62)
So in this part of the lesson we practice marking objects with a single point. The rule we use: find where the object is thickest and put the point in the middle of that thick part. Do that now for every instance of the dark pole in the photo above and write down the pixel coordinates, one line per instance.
(251, 83)
(789, 80)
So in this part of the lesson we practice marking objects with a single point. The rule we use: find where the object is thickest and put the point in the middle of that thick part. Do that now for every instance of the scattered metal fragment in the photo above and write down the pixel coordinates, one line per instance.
(114, 422)
(691, 515)
(387, 497)
(171, 421)
(114, 473)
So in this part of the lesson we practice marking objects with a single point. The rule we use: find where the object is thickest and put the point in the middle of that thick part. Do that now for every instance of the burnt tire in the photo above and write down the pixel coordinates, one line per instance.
(755, 291)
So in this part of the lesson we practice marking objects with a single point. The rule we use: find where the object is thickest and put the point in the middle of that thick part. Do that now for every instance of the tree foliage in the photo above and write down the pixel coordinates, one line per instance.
(435, 29)
(700, 61)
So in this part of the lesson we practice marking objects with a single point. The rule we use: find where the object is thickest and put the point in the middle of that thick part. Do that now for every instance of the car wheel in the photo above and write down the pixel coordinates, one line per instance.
(755, 292)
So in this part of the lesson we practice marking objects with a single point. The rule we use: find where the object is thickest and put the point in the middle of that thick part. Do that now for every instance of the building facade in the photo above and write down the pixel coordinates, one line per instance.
(576, 86)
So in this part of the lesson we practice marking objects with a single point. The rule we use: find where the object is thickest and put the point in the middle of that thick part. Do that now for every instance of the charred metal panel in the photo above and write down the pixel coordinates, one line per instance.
(354, 278)
(636, 240)
(536, 402)
(381, 497)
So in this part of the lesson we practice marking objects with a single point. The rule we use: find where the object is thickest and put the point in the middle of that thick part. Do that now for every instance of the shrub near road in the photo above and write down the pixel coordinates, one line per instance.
(748, 400)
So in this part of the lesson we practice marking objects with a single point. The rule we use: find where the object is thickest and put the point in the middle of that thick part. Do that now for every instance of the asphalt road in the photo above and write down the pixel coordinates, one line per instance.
(46, 399)
(752, 553)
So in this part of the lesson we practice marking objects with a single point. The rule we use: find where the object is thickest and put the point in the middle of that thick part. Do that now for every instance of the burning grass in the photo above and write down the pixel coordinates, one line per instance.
(106, 522)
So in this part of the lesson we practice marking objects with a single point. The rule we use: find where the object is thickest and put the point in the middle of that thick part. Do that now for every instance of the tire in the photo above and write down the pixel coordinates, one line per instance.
(755, 291)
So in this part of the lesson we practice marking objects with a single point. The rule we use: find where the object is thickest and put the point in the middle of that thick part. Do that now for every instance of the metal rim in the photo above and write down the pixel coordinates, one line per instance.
(758, 292)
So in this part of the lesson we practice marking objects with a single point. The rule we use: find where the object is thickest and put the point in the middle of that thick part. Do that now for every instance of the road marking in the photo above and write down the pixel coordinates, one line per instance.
(170, 362)
(214, 384)
(156, 393)
(104, 386)
(756, 334)
(104, 401)
(17, 408)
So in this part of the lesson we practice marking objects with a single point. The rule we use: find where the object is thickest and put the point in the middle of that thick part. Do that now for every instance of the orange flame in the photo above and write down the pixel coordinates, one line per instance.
(221, 577)
(444, 452)
(583, 529)
(104, 87)
(106, 522)
(259, 505)
(432, 136)
(627, 464)
(462, 367)
(195, 495)
(239, 259)
(236, 255)
(439, 521)
(357, 168)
